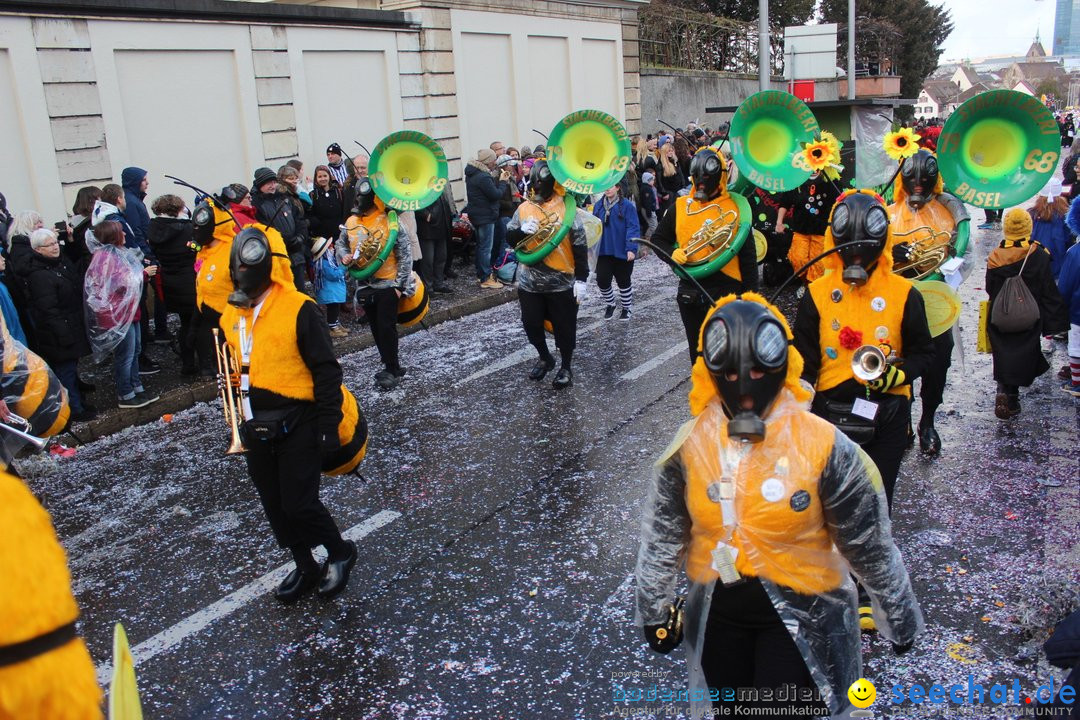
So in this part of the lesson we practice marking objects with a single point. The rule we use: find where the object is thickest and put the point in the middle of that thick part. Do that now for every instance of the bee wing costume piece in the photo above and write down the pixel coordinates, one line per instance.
(774, 493)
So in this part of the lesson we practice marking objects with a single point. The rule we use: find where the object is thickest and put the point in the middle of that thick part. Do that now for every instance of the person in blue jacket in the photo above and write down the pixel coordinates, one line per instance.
(1069, 286)
(329, 284)
(618, 248)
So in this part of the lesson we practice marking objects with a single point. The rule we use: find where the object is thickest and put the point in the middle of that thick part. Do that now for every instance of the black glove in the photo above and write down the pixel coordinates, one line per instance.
(329, 442)
(666, 637)
(901, 253)
(901, 649)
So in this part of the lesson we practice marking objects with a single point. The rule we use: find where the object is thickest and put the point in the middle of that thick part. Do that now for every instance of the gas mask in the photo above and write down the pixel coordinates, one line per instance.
(541, 180)
(365, 196)
(919, 176)
(745, 350)
(860, 219)
(708, 173)
(203, 224)
(249, 266)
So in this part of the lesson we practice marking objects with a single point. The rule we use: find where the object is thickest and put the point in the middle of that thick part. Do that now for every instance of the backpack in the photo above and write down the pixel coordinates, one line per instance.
(1015, 309)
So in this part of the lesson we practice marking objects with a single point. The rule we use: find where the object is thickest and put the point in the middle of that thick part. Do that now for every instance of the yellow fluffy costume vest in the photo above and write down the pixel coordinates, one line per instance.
(562, 257)
(212, 282)
(780, 533)
(36, 599)
(690, 215)
(374, 221)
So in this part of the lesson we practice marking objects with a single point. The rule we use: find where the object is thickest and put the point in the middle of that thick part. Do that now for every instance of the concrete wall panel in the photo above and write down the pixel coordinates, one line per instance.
(487, 108)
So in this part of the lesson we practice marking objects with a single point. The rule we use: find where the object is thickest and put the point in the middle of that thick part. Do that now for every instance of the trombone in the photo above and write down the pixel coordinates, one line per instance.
(231, 394)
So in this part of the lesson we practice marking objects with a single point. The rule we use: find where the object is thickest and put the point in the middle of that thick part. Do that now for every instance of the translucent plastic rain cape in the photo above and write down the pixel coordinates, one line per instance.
(112, 291)
(808, 510)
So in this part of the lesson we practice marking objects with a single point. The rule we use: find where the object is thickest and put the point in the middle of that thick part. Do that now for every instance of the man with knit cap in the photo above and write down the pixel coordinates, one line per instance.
(483, 193)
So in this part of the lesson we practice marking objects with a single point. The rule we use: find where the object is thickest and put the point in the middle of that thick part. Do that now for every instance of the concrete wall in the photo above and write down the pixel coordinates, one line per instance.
(209, 90)
(681, 96)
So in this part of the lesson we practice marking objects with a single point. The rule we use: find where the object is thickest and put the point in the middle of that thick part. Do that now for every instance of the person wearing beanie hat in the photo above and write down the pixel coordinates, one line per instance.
(338, 167)
(484, 193)
(1018, 357)
(927, 219)
(650, 203)
(263, 176)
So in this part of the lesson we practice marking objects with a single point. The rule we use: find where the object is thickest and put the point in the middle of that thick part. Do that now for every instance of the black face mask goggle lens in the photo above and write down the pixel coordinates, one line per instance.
(769, 345)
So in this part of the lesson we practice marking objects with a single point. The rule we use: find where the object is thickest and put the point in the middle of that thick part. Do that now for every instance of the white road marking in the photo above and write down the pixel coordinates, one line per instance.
(521, 356)
(656, 362)
(173, 636)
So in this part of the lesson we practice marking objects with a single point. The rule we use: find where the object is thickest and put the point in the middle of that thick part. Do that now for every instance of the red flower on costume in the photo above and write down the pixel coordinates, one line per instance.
(850, 339)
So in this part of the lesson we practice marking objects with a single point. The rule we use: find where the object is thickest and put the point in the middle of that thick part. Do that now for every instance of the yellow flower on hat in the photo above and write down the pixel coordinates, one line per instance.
(818, 154)
(902, 143)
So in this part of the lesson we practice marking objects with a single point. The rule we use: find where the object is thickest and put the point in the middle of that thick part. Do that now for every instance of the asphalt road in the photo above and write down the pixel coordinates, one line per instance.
(497, 525)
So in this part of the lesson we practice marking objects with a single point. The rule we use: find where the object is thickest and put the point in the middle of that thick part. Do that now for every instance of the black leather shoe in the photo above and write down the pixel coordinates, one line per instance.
(929, 440)
(337, 572)
(563, 379)
(541, 368)
(296, 584)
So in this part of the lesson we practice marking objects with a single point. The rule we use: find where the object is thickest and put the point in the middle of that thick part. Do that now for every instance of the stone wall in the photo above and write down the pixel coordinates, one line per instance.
(681, 96)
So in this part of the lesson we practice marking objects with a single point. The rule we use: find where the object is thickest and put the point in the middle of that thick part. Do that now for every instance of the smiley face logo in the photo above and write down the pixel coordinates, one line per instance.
(862, 693)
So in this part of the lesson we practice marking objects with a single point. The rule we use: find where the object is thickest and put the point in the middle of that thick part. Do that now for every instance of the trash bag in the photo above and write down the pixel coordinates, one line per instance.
(112, 291)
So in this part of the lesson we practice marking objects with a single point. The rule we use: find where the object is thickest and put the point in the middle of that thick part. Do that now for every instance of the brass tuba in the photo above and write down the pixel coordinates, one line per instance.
(713, 238)
(588, 151)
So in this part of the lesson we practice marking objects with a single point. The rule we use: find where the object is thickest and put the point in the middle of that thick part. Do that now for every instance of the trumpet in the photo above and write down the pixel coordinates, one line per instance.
(869, 362)
(231, 394)
(928, 252)
(548, 227)
(23, 433)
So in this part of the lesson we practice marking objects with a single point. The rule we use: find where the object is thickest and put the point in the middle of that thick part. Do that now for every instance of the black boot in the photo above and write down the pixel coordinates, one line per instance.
(929, 440)
(563, 379)
(297, 583)
(337, 573)
(542, 367)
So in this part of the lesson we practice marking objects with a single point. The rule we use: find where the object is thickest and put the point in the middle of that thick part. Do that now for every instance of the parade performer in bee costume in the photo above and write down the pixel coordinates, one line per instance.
(770, 508)
(380, 291)
(862, 302)
(295, 408)
(926, 223)
(708, 202)
(213, 229)
(45, 669)
(552, 288)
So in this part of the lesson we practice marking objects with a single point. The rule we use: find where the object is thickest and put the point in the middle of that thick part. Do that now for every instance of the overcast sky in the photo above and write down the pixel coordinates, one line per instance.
(997, 27)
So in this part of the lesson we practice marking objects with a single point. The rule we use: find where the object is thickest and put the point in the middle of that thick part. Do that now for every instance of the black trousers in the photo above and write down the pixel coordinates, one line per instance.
(203, 322)
(558, 307)
(433, 261)
(608, 267)
(747, 645)
(187, 339)
(380, 306)
(932, 390)
(286, 473)
(693, 306)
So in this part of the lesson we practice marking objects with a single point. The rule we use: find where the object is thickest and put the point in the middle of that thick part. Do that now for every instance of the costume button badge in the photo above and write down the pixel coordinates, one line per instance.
(881, 333)
(878, 304)
(836, 296)
(713, 491)
(772, 490)
(800, 501)
(835, 325)
(830, 353)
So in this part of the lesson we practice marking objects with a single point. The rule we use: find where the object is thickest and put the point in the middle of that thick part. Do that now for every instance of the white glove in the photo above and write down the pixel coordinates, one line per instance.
(530, 226)
(581, 291)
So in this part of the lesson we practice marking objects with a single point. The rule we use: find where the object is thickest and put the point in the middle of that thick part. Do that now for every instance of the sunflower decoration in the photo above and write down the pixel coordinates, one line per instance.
(902, 143)
(822, 154)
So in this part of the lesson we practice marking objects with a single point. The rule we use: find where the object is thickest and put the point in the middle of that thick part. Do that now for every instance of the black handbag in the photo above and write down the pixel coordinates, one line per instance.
(859, 429)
